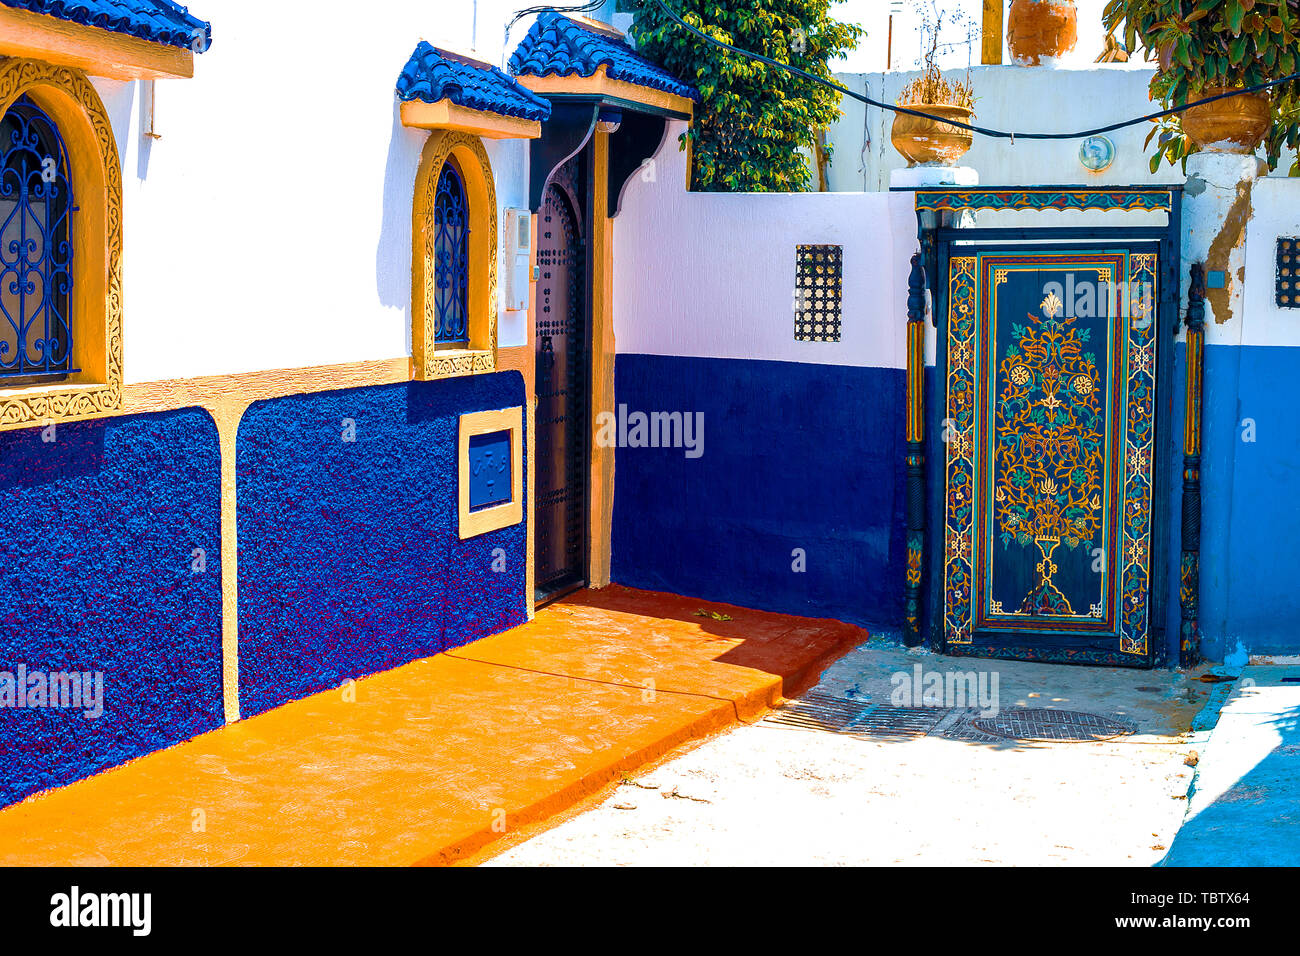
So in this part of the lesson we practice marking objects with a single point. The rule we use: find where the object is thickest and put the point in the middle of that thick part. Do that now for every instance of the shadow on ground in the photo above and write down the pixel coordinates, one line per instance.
(1242, 814)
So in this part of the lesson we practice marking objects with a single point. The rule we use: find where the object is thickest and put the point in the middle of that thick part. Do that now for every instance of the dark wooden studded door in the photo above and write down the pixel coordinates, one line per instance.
(1049, 434)
(562, 347)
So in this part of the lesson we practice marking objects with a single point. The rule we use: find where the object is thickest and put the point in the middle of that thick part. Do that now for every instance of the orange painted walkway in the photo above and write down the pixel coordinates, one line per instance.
(436, 759)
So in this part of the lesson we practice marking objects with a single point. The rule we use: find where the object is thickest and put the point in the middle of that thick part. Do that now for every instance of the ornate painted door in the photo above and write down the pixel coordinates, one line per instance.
(562, 360)
(1049, 437)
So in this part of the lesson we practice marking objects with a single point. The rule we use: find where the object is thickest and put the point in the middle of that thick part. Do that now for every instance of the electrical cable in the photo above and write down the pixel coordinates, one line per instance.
(588, 7)
(983, 131)
(866, 136)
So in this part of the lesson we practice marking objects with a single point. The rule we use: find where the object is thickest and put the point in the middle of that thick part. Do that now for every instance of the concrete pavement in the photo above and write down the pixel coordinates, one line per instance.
(429, 762)
(775, 794)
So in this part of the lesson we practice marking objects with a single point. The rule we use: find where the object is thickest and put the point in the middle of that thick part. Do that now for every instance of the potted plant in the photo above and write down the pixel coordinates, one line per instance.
(1210, 48)
(1039, 32)
(928, 140)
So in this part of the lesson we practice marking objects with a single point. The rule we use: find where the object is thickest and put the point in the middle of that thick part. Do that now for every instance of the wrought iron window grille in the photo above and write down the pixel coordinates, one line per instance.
(451, 260)
(36, 206)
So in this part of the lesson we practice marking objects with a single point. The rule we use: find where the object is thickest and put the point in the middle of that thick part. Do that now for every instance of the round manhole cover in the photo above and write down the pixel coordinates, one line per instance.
(1040, 724)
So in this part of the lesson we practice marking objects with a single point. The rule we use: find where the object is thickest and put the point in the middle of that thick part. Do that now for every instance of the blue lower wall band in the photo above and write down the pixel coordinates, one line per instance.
(350, 560)
(803, 455)
(110, 565)
(795, 457)
(1250, 524)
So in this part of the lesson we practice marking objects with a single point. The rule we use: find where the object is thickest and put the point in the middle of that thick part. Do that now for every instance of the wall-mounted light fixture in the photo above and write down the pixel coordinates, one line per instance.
(1096, 153)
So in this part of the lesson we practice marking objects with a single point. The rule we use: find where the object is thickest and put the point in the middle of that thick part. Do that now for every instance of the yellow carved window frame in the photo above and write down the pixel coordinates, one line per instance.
(506, 514)
(466, 151)
(95, 307)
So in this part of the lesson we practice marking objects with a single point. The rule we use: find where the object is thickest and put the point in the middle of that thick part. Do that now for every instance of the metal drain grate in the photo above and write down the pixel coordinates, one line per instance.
(856, 718)
(897, 723)
(868, 721)
(1033, 723)
(818, 712)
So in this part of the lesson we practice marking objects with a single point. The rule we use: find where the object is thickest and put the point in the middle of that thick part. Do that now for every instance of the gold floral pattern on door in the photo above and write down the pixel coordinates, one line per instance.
(1050, 445)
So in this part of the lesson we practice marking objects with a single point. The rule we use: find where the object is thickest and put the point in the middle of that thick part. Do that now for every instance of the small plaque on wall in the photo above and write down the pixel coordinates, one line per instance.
(490, 469)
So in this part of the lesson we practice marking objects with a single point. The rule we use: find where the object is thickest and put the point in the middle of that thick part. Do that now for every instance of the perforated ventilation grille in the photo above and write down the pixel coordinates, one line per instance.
(1288, 259)
(819, 274)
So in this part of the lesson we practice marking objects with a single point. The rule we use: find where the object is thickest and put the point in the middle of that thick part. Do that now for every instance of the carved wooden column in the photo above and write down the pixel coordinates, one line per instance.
(1189, 646)
(915, 459)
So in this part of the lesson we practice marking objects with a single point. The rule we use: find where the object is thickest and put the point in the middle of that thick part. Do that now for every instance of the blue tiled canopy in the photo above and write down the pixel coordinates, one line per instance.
(560, 46)
(430, 75)
(158, 21)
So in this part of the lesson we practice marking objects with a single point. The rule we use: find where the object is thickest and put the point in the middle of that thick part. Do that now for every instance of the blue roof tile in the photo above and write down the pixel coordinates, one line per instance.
(560, 46)
(158, 21)
(432, 75)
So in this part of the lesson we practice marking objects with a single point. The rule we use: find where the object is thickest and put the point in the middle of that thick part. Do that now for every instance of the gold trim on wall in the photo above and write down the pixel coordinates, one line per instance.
(95, 308)
(231, 394)
(601, 517)
(523, 359)
(474, 523)
(466, 152)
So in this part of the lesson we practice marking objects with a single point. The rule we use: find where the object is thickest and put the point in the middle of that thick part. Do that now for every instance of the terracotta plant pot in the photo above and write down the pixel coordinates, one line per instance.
(1040, 31)
(1235, 125)
(930, 142)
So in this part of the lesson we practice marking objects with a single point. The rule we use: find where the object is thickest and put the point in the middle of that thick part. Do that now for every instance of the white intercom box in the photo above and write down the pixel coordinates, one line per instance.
(518, 259)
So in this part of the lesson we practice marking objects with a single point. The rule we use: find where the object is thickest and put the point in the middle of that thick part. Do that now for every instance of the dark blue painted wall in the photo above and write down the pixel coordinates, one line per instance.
(1251, 518)
(349, 557)
(795, 456)
(97, 534)
(810, 456)
(1172, 431)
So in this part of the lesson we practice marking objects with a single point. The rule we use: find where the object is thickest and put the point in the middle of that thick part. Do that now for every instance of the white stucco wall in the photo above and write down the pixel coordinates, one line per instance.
(1276, 212)
(713, 274)
(270, 225)
(1010, 98)
(1231, 222)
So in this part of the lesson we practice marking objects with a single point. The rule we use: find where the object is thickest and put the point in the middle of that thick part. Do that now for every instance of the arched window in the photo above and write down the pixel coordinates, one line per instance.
(451, 259)
(35, 248)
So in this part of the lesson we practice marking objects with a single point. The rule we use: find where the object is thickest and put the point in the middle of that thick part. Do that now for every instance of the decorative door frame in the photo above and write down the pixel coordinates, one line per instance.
(925, 453)
(613, 158)
(571, 185)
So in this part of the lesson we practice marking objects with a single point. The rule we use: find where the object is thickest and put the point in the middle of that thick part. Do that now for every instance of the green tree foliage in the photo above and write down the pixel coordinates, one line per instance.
(753, 118)
(1232, 43)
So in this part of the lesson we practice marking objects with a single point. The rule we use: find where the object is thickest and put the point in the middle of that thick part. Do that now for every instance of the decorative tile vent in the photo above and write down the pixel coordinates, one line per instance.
(819, 273)
(1288, 272)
